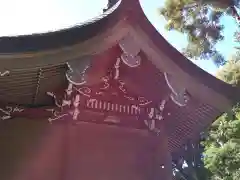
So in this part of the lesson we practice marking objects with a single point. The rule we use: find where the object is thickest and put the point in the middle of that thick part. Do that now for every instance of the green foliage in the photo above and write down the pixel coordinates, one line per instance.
(223, 129)
(200, 20)
(222, 146)
(230, 73)
(224, 162)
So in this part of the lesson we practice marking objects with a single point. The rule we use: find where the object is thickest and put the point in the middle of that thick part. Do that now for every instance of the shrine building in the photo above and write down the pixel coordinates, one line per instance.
(110, 99)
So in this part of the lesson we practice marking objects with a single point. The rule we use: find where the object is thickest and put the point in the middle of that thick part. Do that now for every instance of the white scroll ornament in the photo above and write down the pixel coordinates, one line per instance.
(5, 73)
(179, 95)
(130, 50)
(154, 115)
(8, 111)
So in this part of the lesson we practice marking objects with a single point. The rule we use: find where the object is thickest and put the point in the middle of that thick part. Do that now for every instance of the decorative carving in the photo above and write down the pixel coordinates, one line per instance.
(155, 115)
(181, 99)
(143, 101)
(130, 60)
(56, 115)
(162, 105)
(4, 73)
(56, 100)
(106, 84)
(179, 96)
(130, 52)
(121, 86)
(69, 90)
(132, 110)
(128, 45)
(9, 111)
(76, 70)
(129, 97)
(117, 66)
(105, 99)
(76, 111)
(85, 91)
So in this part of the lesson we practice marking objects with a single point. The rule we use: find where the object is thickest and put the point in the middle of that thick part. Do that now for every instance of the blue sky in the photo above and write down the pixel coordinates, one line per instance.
(34, 16)
(178, 40)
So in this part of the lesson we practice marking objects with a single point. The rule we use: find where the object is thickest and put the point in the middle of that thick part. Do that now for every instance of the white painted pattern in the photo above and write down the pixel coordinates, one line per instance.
(113, 107)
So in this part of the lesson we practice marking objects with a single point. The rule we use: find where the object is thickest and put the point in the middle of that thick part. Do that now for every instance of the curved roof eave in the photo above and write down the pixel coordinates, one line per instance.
(176, 58)
(60, 38)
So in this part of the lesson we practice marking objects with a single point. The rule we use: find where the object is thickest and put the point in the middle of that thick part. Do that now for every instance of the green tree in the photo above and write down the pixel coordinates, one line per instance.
(222, 145)
(230, 72)
(200, 20)
(219, 147)
(222, 149)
